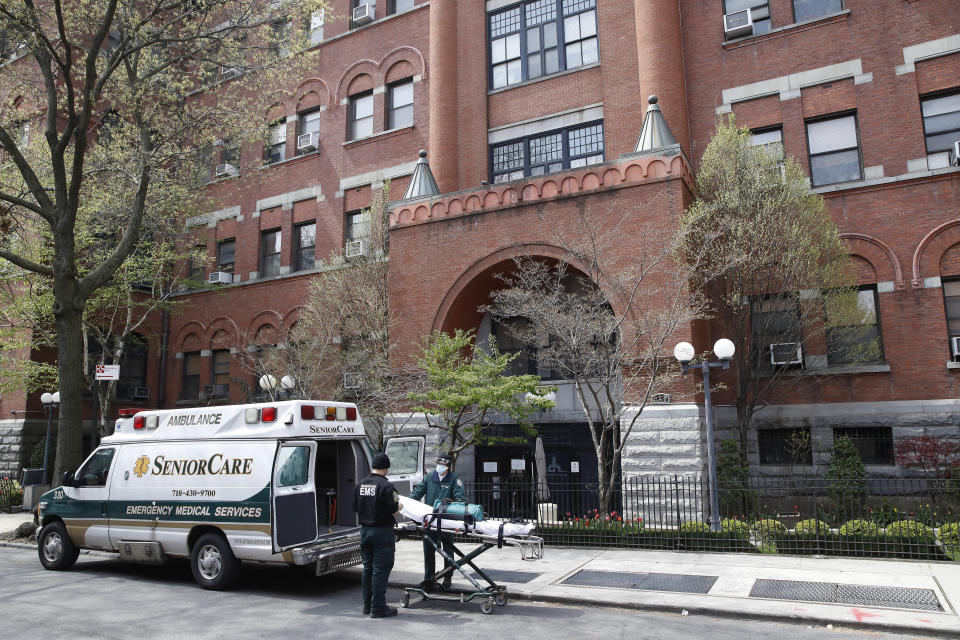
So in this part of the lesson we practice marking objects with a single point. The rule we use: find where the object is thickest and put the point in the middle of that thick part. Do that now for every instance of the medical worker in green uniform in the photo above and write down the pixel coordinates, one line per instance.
(444, 485)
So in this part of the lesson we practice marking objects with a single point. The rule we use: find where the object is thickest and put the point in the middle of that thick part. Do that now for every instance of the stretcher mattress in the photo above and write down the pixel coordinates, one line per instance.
(417, 511)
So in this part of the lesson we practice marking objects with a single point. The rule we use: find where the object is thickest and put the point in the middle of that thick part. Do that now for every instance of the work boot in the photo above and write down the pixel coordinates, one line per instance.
(389, 612)
(366, 609)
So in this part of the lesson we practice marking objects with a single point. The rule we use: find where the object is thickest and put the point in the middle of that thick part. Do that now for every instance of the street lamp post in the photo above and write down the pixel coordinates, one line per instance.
(50, 402)
(270, 384)
(724, 350)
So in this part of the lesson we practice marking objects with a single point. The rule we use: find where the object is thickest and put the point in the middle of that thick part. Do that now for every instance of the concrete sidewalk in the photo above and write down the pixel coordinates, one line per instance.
(733, 578)
(928, 593)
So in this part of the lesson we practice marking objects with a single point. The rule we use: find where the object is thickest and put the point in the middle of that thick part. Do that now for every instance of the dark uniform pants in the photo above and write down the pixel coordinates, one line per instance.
(377, 546)
(445, 541)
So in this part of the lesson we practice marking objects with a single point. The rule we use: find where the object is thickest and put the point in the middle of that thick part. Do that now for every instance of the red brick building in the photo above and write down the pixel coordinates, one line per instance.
(533, 109)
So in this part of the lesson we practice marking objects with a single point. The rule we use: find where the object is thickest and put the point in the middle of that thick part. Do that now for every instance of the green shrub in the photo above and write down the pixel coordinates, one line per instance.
(768, 528)
(694, 527)
(950, 536)
(845, 474)
(738, 527)
(909, 529)
(859, 527)
(812, 526)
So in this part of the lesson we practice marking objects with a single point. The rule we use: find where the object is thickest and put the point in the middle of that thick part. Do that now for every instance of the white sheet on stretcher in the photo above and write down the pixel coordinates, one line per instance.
(417, 511)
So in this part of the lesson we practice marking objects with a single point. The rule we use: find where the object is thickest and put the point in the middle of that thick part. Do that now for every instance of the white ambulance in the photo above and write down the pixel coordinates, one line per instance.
(271, 482)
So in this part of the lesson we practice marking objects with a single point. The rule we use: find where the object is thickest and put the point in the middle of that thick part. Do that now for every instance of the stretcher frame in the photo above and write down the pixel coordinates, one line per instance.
(531, 548)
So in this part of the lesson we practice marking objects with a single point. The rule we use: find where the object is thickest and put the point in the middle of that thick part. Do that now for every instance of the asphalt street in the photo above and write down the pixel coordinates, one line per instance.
(105, 598)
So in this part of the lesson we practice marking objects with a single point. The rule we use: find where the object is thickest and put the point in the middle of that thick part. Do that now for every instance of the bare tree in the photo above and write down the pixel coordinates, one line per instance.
(604, 322)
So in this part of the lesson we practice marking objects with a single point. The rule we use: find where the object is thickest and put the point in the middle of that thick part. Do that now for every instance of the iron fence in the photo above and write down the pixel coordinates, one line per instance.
(873, 517)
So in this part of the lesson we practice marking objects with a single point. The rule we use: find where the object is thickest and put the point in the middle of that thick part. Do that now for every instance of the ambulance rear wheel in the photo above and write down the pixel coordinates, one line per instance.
(212, 561)
(56, 549)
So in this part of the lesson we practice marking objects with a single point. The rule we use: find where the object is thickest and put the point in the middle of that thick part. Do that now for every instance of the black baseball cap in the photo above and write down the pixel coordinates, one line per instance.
(380, 461)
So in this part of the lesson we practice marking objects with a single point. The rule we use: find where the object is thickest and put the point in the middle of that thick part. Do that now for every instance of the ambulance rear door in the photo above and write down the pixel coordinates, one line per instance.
(406, 461)
(294, 496)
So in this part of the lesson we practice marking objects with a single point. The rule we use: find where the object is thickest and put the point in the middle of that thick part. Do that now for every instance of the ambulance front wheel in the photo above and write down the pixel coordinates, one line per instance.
(212, 561)
(56, 549)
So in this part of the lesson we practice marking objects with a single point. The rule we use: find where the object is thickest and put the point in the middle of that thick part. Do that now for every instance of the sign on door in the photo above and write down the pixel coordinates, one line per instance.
(107, 372)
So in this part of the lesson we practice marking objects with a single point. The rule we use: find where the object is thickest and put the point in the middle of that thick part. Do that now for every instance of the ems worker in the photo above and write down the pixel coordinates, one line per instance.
(445, 486)
(376, 502)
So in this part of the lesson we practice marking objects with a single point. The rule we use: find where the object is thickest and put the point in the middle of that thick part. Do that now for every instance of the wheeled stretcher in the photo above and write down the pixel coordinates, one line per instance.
(427, 520)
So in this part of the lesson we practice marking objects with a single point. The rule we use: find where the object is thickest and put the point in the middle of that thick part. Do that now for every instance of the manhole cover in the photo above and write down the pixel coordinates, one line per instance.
(519, 577)
(856, 594)
(678, 582)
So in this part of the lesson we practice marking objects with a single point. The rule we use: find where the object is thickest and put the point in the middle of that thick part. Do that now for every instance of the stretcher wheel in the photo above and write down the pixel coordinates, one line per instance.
(487, 606)
(405, 599)
(501, 599)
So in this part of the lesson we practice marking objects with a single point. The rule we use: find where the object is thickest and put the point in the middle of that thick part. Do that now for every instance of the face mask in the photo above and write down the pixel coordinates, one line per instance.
(441, 469)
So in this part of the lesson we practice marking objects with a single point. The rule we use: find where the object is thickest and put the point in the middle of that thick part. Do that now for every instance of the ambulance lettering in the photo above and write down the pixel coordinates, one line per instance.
(215, 465)
(194, 419)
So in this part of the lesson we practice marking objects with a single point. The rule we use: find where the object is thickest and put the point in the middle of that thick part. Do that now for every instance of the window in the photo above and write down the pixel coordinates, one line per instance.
(544, 153)
(358, 225)
(133, 370)
(400, 104)
(276, 149)
(770, 140)
(875, 444)
(270, 253)
(834, 150)
(399, 6)
(951, 303)
(190, 384)
(196, 265)
(775, 329)
(220, 374)
(785, 446)
(226, 252)
(853, 329)
(361, 115)
(759, 13)
(941, 126)
(810, 9)
(315, 26)
(280, 34)
(94, 471)
(305, 236)
(308, 123)
(541, 37)
(293, 466)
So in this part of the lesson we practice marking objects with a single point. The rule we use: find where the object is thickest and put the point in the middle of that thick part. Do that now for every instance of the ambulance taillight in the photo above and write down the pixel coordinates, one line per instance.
(306, 412)
(331, 413)
(138, 422)
(268, 414)
(351, 413)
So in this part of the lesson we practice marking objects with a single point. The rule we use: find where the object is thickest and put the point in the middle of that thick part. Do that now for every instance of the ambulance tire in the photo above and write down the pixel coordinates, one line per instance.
(56, 549)
(212, 562)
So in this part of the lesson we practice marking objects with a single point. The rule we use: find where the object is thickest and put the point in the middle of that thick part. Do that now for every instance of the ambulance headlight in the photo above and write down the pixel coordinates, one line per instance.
(41, 507)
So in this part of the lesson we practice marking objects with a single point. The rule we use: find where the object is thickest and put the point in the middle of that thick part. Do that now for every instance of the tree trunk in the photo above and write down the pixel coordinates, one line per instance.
(70, 371)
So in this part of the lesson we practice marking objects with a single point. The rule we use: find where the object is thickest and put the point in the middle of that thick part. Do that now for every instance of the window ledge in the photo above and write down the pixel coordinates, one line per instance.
(955, 366)
(349, 144)
(302, 156)
(871, 182)
(542, 78)
(834, 371)
(786, 30)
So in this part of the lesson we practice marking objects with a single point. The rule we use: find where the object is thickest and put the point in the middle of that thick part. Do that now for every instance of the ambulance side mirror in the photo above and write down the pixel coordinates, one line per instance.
(68, 479)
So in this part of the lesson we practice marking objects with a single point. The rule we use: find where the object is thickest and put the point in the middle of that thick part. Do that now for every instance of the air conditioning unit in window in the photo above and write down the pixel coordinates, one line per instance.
(955, 348)
(784, 353)
(956, 153)
(355, 249)
(225, 170)
(363, 14)
(141, 393)
(351, 381)
(220, 277)
(229, 72)
(738, 24)
(307, 142)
